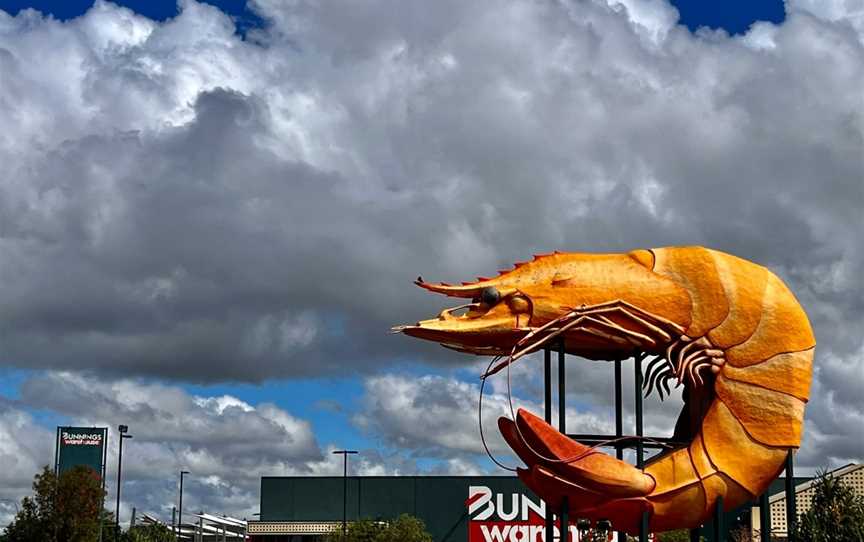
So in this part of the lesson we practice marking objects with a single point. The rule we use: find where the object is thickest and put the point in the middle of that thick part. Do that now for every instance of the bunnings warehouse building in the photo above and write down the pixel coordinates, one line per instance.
(454, 508)
(297, 509)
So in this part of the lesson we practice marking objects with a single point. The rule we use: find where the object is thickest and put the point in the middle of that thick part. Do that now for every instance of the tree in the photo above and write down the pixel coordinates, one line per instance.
(836, 513)
(405, 528)
(62, 509)
(679, 535)
(27, 525)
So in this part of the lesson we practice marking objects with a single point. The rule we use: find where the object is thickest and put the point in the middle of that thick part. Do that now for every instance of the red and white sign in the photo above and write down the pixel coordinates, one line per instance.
(510, 517)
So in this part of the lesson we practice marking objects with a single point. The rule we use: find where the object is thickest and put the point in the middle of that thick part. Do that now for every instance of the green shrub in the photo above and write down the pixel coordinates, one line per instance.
(405, 528)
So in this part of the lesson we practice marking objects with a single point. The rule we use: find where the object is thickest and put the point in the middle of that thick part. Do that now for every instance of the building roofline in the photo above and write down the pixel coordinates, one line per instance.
(840, 471)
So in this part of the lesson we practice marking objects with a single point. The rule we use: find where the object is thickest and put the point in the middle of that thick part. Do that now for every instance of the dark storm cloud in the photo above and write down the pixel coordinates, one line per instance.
(177, 202)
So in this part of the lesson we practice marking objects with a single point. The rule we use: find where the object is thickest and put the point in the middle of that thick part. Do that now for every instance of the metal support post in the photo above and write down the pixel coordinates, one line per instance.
(550, 524)
(637, 377)
(547, 411)
(564, 517)
(791, 512)
(640, 450)
(562, 395)
(345, 497)
(719, 527)
(547, 384)
(764, 518)
(180, 509)
(619, 411)
(619, 423)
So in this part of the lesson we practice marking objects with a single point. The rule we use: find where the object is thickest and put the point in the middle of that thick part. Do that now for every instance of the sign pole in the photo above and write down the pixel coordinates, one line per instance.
(104, 473)
(344, 454)
(57, 453)
(123, 432)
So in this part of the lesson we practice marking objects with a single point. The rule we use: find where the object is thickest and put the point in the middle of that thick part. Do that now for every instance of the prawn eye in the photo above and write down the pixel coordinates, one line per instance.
(490, 295)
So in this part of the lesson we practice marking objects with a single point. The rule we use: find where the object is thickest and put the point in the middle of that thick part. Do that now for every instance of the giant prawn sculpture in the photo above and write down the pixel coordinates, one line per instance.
(727, 329)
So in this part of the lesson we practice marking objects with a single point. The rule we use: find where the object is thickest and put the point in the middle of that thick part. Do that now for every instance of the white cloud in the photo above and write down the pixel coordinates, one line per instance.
(838, 11)
(24, 449)
(651, 18)
(227, 443)
(432, 416)
(761, 36)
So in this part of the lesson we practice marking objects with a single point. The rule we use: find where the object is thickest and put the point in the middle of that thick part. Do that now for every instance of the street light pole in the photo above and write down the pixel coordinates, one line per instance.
(345, 454)
(123, 430)
(180, 511)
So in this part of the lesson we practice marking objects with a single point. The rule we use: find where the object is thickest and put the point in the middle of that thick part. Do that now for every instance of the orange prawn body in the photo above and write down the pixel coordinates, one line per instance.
(728, 329)
(757, 413)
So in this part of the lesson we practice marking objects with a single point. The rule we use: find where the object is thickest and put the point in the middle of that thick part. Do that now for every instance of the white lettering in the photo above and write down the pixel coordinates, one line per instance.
(514, 507)
(81, 439)
(510, 517)
(485, 499)
(496, 534)
(528, 505)
(519, 533)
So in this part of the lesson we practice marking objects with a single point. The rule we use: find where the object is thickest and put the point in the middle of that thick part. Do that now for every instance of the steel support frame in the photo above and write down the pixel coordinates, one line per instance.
(563, 507)
(791, 508)
(636, 442)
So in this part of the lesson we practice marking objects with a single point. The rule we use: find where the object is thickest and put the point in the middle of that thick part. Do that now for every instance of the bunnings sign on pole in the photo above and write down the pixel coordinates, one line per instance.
(81, 446)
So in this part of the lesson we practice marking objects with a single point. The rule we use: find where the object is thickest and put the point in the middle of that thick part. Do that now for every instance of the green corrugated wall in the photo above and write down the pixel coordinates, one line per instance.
(437, 500)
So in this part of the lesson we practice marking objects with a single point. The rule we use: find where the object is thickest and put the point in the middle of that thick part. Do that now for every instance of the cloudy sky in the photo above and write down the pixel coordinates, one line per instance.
(209, 219)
